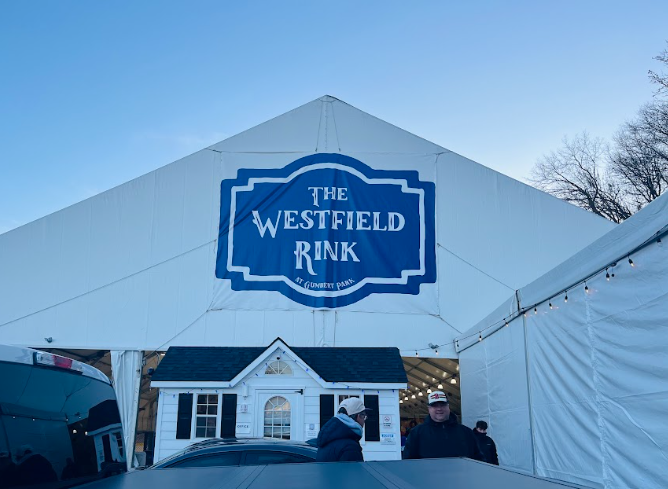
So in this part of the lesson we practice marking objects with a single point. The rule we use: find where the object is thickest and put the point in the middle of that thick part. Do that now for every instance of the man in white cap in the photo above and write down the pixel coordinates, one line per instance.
(441, 435)
(339, 438)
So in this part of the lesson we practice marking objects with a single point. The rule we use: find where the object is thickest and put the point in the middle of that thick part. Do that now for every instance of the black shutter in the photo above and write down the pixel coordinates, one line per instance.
(185, 417)
(372, 424)
(228, 423)
(326, 408)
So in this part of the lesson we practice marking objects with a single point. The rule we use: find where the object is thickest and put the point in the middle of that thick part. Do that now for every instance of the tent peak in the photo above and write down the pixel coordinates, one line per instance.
(329, 98)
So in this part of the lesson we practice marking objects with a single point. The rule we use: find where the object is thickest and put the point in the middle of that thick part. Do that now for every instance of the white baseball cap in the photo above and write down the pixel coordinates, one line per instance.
(437, 396)
(353, 406)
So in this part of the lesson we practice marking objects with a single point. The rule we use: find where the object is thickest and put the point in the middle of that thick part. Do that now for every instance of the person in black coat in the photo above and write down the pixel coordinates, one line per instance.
(339, 438)
(486, 444)
(441, 435)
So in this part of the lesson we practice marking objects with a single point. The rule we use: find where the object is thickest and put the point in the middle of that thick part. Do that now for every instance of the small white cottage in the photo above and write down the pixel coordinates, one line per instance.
(277, 392)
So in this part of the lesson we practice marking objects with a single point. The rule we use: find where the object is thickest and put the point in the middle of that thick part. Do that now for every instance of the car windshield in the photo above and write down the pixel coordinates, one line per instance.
(206, 452)
(56, 426)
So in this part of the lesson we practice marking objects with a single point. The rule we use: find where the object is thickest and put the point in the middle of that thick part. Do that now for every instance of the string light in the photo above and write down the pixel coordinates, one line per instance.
(453, 380)
(406, 398)
(420, 393)
(417, 354)
(631, 262)
(436, 351)
(428, 391)
(586, 288)
(551, 306)
(607, 275)
(440, 386)
(480, 336)
(566, 297)
(535, 310)
(413, 396)
(507, 323)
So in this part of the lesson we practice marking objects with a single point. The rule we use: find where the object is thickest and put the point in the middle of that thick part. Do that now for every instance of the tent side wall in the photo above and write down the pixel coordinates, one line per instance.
(494, 389)
(597, 380)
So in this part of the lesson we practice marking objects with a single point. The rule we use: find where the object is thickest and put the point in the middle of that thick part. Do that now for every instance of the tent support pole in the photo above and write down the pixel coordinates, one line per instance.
(531, 423)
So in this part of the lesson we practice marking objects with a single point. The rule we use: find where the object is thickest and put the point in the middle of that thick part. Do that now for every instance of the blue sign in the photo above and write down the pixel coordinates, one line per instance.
(327, 231)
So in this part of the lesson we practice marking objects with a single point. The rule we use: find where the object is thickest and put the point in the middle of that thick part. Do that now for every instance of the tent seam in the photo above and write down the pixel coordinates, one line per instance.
(597, 392)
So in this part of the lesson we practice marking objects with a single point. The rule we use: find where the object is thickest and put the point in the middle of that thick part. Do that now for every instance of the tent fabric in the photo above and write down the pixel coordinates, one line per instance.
(613, 247)
(590, 374)
(126, 367)
(150, 245)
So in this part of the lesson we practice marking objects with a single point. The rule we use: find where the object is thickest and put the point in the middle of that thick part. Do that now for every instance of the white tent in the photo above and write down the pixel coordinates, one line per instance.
(571, 372)
(135, 268)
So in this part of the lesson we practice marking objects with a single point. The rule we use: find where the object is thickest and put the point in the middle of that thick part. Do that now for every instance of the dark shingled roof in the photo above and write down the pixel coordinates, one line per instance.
(204, 363)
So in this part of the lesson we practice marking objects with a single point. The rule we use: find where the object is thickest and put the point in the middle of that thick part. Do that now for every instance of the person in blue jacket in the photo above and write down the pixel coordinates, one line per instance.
(339, 439)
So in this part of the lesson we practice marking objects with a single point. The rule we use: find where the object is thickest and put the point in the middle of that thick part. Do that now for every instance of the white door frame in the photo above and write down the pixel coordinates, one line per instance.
(262, 395)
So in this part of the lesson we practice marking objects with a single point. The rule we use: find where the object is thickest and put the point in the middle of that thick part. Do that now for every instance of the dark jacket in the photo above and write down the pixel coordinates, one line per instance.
(487, 447)
(439, 440)
(338, 443)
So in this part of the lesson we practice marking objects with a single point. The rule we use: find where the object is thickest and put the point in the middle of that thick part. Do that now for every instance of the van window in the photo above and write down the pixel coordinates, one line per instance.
(57, 425)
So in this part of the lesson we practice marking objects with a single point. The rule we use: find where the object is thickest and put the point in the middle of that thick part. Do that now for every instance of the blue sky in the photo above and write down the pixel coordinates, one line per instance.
(93, 94)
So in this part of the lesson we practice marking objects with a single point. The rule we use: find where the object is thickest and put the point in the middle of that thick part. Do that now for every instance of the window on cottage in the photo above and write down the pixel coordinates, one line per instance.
(343, 397)
(119, 442)
(278, 367)
(277, 418)
(206, 415)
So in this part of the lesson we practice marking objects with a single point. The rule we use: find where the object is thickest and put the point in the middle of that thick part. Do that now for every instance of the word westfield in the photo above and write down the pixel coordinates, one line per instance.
(327, 219)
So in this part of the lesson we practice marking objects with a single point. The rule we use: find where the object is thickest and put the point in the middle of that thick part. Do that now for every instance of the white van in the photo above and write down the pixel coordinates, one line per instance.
(59, 421)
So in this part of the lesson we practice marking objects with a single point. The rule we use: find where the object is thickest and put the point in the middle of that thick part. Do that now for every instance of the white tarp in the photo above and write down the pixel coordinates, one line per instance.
(593, 379)
(134, 267)
(126, 368)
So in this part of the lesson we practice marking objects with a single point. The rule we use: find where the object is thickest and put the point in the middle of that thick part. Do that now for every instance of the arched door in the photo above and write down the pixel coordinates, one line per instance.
(277, 422)
(279, 414)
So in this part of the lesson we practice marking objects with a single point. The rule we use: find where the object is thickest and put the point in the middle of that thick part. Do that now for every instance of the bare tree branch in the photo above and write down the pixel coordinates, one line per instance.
(577, 174)
(660, 79)
(613, 182)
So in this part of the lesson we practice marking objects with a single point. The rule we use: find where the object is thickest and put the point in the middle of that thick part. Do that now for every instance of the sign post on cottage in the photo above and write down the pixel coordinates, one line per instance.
(387, 439)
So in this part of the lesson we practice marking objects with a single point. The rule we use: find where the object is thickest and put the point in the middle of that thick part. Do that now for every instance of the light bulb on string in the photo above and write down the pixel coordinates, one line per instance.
(551, 306)
(566, 297)
(507, 324)
(440, 386)
(586, 288)
(417, 354)
(420, 393)
(453, 380)
(607, 275)
(428, 391)
(413, 396)
(406, 398)
(480, 336)
(436, 351)
(535, 310)
(631, 262)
